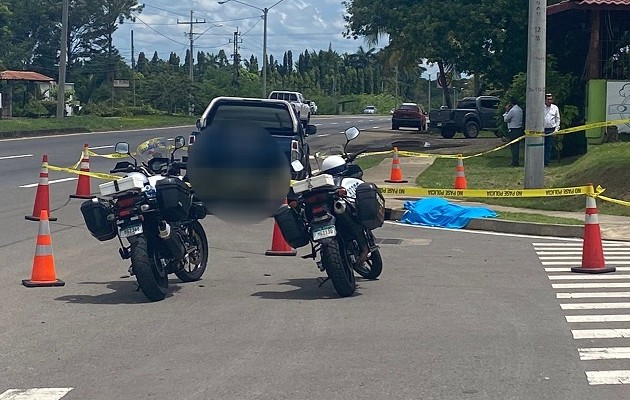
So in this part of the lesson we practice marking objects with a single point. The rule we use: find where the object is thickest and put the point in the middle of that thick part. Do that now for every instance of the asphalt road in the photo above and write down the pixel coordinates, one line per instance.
(455, 315)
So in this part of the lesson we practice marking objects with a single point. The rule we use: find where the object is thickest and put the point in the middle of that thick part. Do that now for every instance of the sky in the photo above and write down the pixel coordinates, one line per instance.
(294, 25)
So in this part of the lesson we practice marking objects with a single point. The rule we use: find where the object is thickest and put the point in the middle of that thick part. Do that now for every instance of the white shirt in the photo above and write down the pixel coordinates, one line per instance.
(552, 117)
(514, 117)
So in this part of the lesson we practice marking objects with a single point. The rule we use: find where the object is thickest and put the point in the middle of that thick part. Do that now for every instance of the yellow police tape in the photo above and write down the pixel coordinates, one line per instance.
(527, 133)
(495, 193)
(97, 175)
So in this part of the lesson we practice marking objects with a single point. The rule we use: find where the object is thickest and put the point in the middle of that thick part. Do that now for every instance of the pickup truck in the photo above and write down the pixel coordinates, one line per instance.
(275, 116)
(298, 102)
(472, 115)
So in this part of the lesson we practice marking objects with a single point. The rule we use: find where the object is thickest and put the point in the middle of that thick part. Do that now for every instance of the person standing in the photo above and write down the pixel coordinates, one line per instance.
(513, 116)
(552, 124)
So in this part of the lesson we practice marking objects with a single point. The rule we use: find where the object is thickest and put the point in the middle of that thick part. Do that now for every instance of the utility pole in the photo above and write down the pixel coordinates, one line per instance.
(63, 56)
(535, 97)
(236, 59)
(191, 37)
(133, 71)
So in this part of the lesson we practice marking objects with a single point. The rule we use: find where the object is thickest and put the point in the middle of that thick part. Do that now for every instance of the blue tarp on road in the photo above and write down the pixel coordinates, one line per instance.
(435, 211)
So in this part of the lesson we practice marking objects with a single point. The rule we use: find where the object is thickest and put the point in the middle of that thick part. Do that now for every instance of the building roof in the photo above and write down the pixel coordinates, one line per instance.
(604, 5)
(24, 76)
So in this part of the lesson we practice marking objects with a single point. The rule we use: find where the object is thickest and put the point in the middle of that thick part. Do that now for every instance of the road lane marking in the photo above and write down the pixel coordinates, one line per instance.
(598, 318)
(579, 257)
(614, 252)
(17, 156)
(30, 185)
(594, 306)
(600, 333)
(573, 263)
(601, 285)
(604, 353)
(334, 123)
(567, 269)
(591, 295)
(605, 243)
(35, 394)
(102, 147)
(95, 133)
(621, 377)
(587, 277)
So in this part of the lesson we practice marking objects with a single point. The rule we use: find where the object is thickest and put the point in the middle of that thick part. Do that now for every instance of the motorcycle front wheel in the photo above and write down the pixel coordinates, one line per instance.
(197, 260)
(338, 269)
(148, 269)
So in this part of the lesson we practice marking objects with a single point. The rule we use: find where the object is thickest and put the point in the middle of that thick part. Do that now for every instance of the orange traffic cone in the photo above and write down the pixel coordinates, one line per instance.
(592, 251)
(396, 174)
(460, 176)
(43, 273)
(279, 246)
(83, 184)
(42, 196)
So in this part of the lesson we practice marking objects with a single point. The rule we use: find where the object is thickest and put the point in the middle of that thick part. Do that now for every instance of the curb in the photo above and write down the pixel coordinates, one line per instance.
(503, 226)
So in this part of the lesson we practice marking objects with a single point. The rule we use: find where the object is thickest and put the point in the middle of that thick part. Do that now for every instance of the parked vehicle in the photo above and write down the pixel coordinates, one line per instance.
(275, 116)
(158, 215)
(472, 115)
(409, 115)
(336, 214)
(297, 101)
(369, 110)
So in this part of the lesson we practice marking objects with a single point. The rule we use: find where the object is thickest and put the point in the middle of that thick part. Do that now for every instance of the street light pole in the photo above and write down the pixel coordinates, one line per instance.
(63, 55)
(264, 11)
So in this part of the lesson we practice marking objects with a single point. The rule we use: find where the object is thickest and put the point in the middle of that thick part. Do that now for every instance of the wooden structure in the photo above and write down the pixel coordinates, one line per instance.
(9, 79)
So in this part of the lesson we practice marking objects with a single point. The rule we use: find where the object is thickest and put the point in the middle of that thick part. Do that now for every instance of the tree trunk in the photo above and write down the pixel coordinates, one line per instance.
(444, 84)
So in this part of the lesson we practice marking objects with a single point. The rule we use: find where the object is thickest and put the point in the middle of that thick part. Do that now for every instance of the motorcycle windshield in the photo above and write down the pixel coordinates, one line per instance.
(324, 152)
(152, 148)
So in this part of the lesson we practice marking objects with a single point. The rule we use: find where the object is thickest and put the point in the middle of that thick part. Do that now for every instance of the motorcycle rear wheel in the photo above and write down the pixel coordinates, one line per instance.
(338, 269)
(372, 267)
(195, 265)
(147, 268)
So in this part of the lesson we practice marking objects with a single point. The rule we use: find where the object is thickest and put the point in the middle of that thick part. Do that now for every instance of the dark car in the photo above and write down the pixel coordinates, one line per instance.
(409, 115)
(275, 116)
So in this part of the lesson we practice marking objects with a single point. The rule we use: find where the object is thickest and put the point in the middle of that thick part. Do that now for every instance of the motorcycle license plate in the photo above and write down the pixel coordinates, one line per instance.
(439, 124)
(325, 232)
(130, 230)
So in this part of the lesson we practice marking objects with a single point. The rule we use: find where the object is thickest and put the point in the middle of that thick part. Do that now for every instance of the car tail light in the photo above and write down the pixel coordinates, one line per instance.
(294, 150)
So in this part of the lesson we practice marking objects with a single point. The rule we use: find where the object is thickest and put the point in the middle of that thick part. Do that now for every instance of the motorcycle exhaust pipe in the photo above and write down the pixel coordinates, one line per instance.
(340, 207)
(172, 240)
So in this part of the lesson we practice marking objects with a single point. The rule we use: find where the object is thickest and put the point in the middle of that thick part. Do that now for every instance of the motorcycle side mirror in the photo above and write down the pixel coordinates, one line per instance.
(351, 133)
(122, 148)
(198, 123)
(297, 166)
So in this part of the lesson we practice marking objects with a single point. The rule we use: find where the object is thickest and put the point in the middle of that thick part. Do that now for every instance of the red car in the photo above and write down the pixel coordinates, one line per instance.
(409, 115)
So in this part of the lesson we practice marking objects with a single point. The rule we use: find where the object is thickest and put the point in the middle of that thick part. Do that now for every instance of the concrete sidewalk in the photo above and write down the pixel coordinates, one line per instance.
(612, 227)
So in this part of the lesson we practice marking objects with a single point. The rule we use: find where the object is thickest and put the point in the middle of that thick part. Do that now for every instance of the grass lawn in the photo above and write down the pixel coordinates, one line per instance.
(90, 123)
(538, 218)
(607, 165)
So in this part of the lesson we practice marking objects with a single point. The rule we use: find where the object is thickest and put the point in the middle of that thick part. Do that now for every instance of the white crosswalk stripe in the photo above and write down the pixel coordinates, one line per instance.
(590, 300)
(35, 394)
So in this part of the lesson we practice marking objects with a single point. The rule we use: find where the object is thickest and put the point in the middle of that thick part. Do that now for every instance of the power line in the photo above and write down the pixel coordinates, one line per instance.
(158, 32)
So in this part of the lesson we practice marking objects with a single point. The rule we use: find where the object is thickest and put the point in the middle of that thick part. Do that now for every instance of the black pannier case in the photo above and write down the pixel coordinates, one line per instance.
(292, 226)
(370, 205)
(173, 198)
(95, 216)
